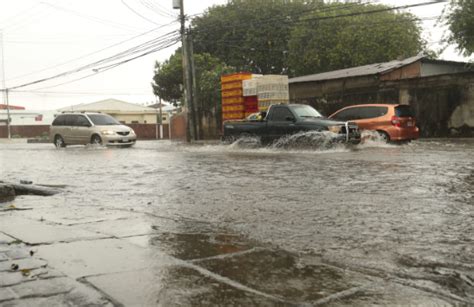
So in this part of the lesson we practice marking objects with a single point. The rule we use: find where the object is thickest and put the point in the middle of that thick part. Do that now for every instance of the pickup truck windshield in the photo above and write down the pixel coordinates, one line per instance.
(306, 111)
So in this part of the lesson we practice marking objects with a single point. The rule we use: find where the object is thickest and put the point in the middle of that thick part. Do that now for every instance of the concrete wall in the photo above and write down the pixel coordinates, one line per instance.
(443, 104)
(143, 131)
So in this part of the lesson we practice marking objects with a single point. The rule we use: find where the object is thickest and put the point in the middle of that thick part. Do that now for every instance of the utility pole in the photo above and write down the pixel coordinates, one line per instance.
(187, 74)
(5, 90)
(197, 112)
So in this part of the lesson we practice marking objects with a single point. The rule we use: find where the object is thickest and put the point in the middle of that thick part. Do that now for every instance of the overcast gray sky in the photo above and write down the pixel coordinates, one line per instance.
(43, 38)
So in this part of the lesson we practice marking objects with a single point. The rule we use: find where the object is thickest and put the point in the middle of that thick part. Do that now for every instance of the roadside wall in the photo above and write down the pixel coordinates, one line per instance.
(143, 131)
(443, 105)
(25, 131)
(178, 126)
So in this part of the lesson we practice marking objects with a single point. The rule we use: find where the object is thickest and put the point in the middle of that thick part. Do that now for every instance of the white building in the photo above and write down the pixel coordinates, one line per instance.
(125, 112)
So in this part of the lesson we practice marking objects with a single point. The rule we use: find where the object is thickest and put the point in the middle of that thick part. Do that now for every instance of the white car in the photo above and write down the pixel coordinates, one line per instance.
(90, 128)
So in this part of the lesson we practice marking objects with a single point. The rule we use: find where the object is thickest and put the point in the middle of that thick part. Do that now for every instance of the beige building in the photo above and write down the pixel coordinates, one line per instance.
(125, 112)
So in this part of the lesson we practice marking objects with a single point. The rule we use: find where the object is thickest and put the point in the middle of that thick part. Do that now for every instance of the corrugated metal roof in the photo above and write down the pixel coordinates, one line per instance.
(371, 69)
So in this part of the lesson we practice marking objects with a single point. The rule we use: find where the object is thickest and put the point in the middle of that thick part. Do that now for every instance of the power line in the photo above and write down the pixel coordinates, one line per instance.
(92, 18)
(93, 53)
(153, 45)
(137, 13)
(104, 69)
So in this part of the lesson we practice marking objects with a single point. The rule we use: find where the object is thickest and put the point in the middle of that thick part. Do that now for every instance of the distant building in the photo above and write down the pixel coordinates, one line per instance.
(125, 112)
(167, 111)
(441, 93)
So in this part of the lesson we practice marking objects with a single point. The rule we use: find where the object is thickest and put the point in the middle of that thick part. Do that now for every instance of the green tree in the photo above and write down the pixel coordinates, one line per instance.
(168, 83)
(327, 40)
(251, 35)
(460, 19)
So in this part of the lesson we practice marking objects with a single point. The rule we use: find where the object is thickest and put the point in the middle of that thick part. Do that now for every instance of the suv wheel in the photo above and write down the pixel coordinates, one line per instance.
(59, 141)
(384, 136)
(96, 140)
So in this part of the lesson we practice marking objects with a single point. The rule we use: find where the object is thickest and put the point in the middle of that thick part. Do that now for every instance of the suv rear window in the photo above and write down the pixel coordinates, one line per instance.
(403, 111)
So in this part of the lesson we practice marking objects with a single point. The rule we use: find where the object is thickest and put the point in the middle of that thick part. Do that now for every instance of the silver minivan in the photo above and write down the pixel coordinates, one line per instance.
(90, 128)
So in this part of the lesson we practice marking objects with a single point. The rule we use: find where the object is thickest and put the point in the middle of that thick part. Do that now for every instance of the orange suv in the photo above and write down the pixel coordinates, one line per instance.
(394, 122)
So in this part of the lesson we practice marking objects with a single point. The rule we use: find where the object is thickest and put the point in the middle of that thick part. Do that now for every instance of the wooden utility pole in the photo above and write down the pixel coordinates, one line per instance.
(5, 90)
(197, 116)
(187, 74)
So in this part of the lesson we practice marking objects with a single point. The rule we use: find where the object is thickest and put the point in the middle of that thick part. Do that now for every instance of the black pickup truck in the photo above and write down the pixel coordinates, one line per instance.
(283, 120)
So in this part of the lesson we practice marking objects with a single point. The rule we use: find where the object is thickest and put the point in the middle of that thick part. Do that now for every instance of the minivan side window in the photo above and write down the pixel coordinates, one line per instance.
(59, 121)
(81, 121)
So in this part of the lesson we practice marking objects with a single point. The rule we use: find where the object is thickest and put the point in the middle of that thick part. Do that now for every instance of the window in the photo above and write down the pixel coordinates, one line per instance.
(306, 112)
(103, 120)
(81, 121)
(371, 112)
(59, 121)
(347, 114)
(69, 120)
(403, 111)
(361, 113)
(281, 114)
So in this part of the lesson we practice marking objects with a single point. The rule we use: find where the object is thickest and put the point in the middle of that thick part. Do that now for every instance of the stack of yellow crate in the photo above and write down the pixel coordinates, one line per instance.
(233, 106)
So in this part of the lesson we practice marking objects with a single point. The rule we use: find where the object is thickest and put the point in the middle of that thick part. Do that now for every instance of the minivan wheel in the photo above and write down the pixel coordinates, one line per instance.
(96, 140)
(59, 142)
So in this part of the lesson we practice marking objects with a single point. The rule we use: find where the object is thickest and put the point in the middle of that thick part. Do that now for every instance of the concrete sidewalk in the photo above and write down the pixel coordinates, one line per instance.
(54, 255)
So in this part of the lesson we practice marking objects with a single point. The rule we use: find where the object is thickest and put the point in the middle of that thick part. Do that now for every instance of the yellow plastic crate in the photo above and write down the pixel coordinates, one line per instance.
(233, 115)
(231, 85)
(232, 93)
(229, 108)
(232, 100)
(236, 77)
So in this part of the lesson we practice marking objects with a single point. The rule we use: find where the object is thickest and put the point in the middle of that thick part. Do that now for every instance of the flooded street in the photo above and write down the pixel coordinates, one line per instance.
(372, 224)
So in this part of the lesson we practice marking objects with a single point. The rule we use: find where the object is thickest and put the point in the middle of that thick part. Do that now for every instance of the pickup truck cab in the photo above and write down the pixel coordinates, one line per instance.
(283, 120)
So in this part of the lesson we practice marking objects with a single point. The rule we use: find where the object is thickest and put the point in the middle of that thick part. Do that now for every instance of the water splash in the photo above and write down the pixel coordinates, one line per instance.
(372, 138)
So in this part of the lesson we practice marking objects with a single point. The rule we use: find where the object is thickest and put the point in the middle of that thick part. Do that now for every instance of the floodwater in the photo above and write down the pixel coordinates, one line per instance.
(310, 219)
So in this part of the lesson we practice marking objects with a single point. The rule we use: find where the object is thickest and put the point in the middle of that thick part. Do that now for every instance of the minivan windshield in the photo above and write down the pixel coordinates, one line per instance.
(103, 120)
(306, 111)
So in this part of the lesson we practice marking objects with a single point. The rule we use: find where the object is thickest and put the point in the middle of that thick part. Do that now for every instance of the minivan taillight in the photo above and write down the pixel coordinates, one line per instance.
(396, 121)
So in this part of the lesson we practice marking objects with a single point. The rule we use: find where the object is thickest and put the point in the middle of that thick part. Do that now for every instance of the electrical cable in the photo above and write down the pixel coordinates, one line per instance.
(150, 44)
(136, 13)
(92, 53)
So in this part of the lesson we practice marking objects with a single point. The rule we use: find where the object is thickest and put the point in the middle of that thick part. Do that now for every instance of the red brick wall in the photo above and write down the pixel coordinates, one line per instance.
(143, 131)
(24, 131)
(178, 126)
(148, 131)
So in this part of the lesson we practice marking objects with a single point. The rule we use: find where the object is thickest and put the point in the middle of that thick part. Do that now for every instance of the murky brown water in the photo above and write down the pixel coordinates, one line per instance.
(385, 211)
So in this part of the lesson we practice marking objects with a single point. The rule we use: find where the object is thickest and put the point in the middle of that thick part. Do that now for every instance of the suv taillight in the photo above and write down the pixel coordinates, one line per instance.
(396, 121)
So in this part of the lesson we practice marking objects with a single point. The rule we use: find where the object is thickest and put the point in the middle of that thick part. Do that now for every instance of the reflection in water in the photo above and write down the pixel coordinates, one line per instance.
(405, 212)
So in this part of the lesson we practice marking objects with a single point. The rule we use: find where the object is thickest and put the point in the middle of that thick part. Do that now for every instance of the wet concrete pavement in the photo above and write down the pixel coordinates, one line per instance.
(168, 224)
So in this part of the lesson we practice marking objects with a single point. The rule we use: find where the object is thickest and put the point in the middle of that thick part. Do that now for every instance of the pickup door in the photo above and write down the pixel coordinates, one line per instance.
(281, 121)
